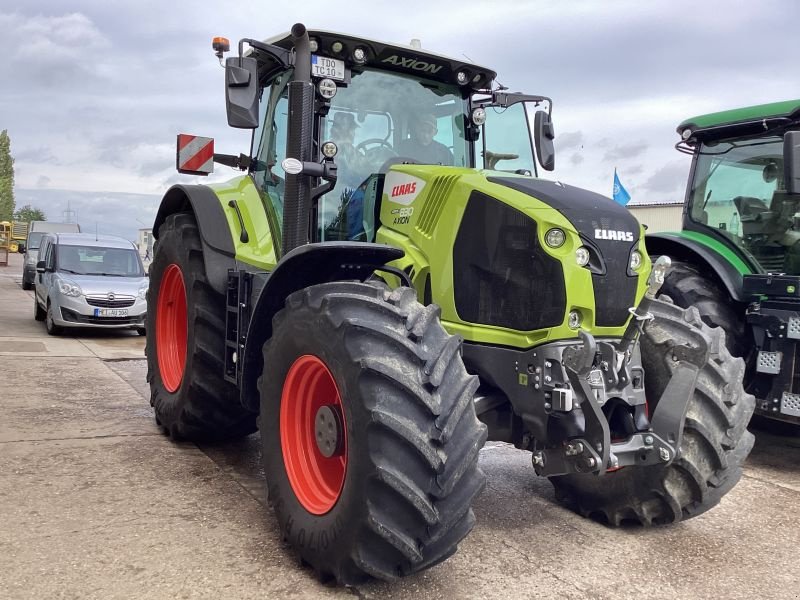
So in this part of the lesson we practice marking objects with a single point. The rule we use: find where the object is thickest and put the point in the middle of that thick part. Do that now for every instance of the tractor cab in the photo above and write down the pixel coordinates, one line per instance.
(742, 189)
(375, 105)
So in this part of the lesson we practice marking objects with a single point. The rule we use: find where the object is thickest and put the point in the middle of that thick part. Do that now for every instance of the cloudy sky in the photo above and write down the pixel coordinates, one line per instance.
(93, 92)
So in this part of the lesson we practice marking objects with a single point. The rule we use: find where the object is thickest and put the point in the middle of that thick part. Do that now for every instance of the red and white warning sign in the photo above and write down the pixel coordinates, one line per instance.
(195, 154)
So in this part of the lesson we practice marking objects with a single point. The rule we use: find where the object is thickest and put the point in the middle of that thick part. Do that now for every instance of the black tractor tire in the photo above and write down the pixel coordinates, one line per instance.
(412, 436)
(685, 284)
(49, 324)
(202, 406)
(715, 439)
(38, 313)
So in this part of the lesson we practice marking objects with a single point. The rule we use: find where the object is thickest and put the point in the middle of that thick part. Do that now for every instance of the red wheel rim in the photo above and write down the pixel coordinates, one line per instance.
(171, 327)
(316, 480)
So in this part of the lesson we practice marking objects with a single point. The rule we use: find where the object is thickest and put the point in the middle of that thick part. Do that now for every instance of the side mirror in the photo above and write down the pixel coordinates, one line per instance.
(543, 139)
(241, 92)
(41, 267)
(791, 161)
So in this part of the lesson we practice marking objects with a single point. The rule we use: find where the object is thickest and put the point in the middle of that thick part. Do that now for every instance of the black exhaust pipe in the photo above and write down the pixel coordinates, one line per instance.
(299, 144)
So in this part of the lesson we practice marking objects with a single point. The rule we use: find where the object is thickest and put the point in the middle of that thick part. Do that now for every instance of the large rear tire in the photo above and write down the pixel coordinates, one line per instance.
(379, 370)
(715, 439)
(687, 287)
(185, 348)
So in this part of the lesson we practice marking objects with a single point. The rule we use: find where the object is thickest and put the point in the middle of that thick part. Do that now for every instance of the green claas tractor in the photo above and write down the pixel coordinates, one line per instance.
(737, 259)
(387, 284)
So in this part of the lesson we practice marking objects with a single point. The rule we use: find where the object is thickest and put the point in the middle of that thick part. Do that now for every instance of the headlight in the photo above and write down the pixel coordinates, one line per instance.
(68, 288)
(582, 256)
(555, 238)
(574, 320)
(636, 260)
(143, 292)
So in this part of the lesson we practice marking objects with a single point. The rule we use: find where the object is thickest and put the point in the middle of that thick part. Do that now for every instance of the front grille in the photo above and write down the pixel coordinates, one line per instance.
(615, 290)
(501, 275)
(104, 302)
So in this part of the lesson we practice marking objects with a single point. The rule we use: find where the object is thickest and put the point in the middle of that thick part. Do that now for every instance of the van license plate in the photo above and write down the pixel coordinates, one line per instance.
(110, 312)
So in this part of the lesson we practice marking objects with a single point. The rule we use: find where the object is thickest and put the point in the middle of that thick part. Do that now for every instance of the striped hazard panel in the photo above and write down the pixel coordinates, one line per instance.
(195, 154)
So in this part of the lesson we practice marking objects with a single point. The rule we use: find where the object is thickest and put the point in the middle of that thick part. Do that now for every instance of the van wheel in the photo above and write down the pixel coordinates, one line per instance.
(52, 328)
(38, 313)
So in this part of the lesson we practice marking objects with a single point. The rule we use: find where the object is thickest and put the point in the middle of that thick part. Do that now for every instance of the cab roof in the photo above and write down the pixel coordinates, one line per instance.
(395, 57)
(720, 123)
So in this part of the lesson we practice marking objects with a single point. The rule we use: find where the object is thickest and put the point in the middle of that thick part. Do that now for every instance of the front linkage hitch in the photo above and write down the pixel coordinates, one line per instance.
(595, 372)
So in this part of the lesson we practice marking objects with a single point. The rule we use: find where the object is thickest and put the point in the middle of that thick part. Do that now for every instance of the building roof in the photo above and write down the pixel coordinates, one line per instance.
(648, 204)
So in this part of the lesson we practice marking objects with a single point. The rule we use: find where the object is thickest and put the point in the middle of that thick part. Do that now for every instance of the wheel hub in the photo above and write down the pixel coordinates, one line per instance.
(328, 431)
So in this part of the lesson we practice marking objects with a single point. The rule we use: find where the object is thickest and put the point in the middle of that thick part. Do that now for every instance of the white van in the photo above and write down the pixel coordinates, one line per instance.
(36, 231)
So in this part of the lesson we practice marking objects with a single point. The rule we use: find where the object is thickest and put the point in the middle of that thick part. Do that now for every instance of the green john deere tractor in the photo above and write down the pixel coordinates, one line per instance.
(388, 283)
(737, 259)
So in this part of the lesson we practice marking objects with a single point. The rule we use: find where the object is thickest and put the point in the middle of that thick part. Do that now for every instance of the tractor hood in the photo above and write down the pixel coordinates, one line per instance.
(607, 229)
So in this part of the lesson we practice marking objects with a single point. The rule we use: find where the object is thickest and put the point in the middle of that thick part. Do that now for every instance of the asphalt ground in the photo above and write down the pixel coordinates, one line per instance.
(96, 503)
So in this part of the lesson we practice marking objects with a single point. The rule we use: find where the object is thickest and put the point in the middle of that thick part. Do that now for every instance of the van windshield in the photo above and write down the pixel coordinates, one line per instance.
(96, 260)
(35, 240)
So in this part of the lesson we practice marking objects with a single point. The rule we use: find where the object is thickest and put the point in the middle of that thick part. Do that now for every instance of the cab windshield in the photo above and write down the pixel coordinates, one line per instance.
(738, 190)
(382, 116)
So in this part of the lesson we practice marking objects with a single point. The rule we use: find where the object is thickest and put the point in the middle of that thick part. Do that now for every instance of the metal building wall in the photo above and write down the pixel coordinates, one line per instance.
(659, 217)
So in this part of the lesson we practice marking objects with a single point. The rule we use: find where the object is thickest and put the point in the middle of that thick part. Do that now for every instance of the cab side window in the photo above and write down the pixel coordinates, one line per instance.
(270, 139)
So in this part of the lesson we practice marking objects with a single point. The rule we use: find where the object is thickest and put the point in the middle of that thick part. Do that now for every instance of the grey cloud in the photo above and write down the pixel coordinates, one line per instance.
(576, 159)
(625, 151)
(669, 178)
(113, 213)
(634, 170)
(43, 181)
(571, 139)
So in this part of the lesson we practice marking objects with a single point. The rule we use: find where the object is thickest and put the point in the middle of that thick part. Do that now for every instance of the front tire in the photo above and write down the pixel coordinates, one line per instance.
(686, 286)
(186, 321)
(375, 368)
(49, 323)
(715, 439)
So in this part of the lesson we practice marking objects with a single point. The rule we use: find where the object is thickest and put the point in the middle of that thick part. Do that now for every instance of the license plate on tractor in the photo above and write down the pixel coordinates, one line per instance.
(322, 66)
(110, 312)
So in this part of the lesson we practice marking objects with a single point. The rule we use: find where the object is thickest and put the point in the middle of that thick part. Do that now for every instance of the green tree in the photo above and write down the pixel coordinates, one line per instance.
(28, 213)
(6, 178)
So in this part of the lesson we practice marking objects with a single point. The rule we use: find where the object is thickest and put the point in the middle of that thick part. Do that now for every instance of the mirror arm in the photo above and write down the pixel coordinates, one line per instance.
(281, 55)
(504, 100)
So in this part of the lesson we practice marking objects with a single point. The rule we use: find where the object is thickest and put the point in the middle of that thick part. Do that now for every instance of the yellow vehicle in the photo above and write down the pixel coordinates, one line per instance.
(5, 242)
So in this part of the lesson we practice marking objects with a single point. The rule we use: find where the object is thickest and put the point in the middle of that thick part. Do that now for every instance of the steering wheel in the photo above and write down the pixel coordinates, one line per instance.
(361, 148)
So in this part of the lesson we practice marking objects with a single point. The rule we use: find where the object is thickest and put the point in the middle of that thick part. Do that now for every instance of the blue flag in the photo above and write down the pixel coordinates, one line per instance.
(621, 195)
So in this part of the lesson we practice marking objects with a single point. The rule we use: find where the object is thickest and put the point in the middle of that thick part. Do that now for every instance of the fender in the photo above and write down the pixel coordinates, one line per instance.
(685, 249)
(218, 250)
(306, 265)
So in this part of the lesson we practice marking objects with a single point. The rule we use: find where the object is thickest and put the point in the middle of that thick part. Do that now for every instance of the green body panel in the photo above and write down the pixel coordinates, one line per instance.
(741, 115)
(260, 250)
(428, 234)
(713, 244)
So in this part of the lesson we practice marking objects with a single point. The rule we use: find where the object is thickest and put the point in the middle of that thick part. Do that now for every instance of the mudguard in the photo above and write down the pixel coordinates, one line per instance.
(218, 248)
(306, 265)
(684, 249)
